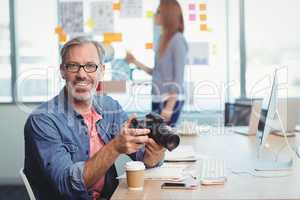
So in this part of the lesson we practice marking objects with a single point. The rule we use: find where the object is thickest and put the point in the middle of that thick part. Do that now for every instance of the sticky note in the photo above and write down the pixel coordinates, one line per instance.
(203, 27)
(106, 42)
(117, 6)
(203, 17)
(192, 6)
(90, 23)
(202, 6)
(58, 30)
(62, 37)
(192, 17)
(112, 37)
(149, 45)
(149, 14)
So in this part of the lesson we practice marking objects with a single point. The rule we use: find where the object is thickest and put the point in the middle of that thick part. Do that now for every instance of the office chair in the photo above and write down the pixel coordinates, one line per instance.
(237, 114)
(27, 185)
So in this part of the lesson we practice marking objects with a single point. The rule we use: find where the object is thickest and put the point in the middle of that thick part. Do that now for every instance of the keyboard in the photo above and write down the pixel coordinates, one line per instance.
(212, 172)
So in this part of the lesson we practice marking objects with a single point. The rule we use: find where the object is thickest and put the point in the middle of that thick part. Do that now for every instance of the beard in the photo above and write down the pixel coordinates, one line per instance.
(74, 91)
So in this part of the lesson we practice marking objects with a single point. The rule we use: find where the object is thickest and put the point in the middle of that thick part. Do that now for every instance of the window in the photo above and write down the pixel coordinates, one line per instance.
(272, 40)
(38, 72)
(234, 82)
(207, 73)
(5, 66)
(136, 33)
(205, 78)
(209, 80)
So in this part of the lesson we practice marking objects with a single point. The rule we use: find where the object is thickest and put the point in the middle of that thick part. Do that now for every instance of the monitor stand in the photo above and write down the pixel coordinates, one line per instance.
(281, 134)
(274, 165)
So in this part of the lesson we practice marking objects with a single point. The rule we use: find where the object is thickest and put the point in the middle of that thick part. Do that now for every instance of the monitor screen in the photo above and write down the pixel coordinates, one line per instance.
(237, 114)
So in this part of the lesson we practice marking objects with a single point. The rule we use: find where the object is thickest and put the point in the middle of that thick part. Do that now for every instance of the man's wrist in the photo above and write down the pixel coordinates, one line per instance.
(151, 160)
(113, 145)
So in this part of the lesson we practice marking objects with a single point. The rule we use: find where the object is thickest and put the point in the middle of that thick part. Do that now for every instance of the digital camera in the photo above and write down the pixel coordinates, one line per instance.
(160, 132)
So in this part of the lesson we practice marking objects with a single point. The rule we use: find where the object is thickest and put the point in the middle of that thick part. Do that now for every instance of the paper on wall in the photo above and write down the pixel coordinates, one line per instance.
(102, 14)
(198, 53)
(131, 9)
(71, 16)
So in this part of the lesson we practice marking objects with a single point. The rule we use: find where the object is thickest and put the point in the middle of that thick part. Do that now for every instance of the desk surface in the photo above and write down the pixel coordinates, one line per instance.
(240, 153)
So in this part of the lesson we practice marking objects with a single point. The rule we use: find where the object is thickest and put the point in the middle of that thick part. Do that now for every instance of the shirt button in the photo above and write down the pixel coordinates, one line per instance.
(87, 152)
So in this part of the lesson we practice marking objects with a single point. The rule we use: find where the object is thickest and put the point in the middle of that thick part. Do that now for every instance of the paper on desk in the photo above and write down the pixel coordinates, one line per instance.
(168, 172)
(181, 153)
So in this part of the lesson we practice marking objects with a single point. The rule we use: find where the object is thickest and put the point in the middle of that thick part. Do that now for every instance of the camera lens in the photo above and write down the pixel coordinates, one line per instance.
(172, 141)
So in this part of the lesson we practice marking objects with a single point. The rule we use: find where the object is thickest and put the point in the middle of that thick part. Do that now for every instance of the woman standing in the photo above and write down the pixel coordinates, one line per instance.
(170, 57)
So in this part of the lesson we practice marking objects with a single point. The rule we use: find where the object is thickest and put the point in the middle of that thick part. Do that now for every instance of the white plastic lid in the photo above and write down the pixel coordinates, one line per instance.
(134, 165)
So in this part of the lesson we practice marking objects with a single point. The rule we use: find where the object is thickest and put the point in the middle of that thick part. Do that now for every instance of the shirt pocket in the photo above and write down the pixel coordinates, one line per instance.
(70, 147)
(73, 149)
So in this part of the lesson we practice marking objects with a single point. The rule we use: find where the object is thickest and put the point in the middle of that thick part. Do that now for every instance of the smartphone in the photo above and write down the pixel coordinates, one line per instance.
(169, 185)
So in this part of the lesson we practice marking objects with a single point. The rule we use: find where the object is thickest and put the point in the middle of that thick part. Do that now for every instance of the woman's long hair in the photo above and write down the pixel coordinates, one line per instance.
(171, 19)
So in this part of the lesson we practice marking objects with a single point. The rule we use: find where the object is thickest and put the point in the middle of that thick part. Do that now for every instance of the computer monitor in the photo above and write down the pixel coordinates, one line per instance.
(266, 125)
(267, 116)
(237, 114)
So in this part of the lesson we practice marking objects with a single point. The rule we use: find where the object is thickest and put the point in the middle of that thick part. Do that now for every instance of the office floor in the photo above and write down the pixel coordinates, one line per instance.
(13, 192)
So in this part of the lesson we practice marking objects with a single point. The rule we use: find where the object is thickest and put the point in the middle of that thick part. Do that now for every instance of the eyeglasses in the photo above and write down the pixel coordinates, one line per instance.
(75, 67)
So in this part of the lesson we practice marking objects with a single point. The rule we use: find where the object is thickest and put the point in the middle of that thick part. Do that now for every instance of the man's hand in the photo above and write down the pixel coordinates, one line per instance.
(153, 153)
(130, 140)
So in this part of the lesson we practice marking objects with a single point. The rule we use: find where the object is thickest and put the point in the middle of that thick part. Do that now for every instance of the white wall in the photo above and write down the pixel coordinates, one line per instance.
(12, 120)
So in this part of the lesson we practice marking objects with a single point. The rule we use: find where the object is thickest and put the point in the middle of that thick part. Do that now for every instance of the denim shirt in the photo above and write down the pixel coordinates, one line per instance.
(57, 146)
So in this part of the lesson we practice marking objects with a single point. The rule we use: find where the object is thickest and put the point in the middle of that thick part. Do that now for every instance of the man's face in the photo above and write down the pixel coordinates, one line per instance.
(81, 85)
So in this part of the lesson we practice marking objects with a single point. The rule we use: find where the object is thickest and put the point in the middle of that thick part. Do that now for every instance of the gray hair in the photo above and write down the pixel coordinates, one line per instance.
(79, 41)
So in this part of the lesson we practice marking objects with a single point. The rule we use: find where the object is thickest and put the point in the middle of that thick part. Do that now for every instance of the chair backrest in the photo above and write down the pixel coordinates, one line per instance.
(237, 114)
(27, 185)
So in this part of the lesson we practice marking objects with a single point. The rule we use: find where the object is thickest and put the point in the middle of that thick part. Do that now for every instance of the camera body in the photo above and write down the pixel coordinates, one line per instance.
(160, 132)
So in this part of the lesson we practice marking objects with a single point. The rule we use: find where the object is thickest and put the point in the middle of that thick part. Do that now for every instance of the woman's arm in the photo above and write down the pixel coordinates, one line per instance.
(131, 59)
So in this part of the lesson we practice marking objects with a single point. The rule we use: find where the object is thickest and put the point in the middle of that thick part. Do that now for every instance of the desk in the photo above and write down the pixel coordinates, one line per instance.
(239, 152)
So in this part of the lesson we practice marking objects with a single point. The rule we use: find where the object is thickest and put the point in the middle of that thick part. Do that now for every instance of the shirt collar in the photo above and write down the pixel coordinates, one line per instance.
(65, 105)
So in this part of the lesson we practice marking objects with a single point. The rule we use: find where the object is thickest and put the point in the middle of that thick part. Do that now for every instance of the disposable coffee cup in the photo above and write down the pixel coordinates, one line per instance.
(135, 173)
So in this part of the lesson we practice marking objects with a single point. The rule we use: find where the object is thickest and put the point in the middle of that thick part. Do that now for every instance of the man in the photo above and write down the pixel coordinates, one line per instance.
(73, 140)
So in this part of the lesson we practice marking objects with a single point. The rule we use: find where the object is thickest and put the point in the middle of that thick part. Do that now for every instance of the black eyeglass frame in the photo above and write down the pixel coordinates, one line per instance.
(79, 66)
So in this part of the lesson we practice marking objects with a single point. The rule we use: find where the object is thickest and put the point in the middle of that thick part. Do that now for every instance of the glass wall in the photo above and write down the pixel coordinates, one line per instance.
(5, 66)
(207, 67)
(272, 41)
(233, 53)
(211, 30)
(38, 71)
